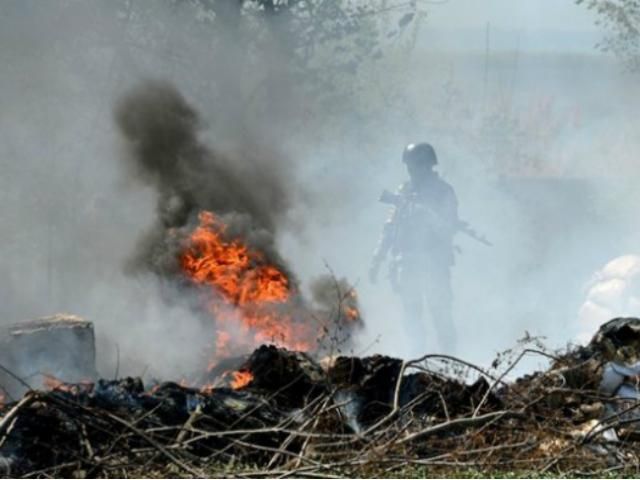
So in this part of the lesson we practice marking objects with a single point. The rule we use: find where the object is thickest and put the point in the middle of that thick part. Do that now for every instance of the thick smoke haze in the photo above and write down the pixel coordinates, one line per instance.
(541, 148)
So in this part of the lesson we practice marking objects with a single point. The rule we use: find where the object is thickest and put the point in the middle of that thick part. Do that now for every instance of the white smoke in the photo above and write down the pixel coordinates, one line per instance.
(541, 148)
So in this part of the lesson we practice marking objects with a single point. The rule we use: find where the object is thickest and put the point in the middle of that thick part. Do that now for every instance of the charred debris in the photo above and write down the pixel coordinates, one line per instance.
(291, 414)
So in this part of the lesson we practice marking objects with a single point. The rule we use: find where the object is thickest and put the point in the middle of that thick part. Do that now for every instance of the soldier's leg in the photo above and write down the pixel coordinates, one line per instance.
(440, 301)
(411, 289)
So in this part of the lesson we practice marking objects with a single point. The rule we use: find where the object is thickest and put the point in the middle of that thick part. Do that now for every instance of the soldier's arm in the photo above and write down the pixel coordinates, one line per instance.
(451, 218)
(386, 239)
(384, 245)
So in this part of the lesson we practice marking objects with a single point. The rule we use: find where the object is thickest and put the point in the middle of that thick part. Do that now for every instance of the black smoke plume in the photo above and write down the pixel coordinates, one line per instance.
(248, 189)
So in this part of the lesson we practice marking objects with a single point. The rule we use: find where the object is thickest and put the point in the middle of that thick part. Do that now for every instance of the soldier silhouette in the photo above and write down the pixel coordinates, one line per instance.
(419, 238)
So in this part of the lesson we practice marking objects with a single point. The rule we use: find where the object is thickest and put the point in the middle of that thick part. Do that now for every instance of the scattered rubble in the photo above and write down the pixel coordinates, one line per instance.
(292, 416)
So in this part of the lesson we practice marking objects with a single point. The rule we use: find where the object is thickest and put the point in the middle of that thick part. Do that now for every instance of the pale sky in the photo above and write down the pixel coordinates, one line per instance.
(527, 25)
(510, 14)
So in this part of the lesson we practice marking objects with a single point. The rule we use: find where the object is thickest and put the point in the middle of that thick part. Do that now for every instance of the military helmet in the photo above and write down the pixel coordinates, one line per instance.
(420, 153)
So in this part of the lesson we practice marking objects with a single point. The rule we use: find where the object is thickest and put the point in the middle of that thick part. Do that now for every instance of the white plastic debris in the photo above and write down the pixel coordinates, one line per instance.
(614, 291)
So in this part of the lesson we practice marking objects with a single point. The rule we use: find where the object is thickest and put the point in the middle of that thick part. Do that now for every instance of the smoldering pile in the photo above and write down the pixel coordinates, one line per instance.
(218, 215)
(349, 416)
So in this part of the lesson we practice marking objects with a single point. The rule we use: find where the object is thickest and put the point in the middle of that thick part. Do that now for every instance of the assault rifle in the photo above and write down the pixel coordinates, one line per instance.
(464, 227)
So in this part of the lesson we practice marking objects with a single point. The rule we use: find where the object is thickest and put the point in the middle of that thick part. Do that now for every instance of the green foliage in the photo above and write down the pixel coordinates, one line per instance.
(621, 18)
(323, 41)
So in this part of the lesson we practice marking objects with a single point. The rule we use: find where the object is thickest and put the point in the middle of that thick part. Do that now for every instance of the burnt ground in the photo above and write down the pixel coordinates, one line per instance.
(365, 417)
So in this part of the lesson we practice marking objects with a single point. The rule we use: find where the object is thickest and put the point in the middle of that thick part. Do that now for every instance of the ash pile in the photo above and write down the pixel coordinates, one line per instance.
(282, 412)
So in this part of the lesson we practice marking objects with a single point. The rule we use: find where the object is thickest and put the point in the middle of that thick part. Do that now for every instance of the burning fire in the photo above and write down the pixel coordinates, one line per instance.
(236, 379)
(251, 300)
(49, 382)
(351, 312)
(241, 378)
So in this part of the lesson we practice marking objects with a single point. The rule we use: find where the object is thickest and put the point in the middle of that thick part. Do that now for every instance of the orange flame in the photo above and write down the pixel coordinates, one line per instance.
(50, 382)
(235, 379)
(207, 389)
(241, 378)
(351, 313)
(250, 299)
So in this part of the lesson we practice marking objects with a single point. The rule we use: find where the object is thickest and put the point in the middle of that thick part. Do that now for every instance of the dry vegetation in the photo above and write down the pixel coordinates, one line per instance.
(373, 416)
